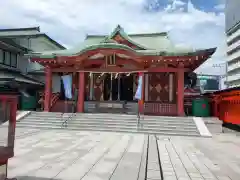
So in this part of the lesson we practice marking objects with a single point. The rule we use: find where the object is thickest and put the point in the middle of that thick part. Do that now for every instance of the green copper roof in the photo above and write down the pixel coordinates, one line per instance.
(157, 41)
(50, 54)
(149, 44)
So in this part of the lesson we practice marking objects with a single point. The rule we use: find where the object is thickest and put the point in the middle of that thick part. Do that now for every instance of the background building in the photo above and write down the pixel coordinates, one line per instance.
(233, 42)
(17, 72)
(208, 83)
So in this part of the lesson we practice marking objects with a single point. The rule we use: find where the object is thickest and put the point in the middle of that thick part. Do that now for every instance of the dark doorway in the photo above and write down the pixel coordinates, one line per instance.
(126, 88)
(114, 89)
(107, 87)
(110, 88)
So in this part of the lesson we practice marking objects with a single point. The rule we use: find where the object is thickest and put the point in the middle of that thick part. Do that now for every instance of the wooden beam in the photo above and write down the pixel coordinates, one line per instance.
(113, 69)
(119, 61)
(117, 68)
(170, 59)
(110, 69)
(165, 69)
(140, 62)
(89, 62)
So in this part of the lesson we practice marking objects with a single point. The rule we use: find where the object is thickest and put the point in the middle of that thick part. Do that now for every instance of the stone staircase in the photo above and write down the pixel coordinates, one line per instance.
(128, 123)
(49, 120)
(184, 126)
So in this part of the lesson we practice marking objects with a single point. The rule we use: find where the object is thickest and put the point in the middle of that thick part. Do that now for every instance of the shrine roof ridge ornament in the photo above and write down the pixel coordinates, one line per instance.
(119, 30)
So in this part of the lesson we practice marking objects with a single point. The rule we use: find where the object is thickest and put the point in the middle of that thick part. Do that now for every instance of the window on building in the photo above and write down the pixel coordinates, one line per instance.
(234, 40)
(209, 84)
(14, 60)
(233, 50)
(1, 56)
(7, 58)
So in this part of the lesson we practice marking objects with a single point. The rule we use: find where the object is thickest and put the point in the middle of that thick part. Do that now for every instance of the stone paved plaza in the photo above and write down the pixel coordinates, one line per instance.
(72, 155)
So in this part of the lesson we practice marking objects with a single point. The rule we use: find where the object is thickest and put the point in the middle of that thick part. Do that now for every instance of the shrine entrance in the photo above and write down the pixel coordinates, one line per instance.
(127, 93)
(119, 88)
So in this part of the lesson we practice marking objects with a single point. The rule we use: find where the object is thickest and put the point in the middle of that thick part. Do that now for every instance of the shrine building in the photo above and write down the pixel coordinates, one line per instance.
(105, 71)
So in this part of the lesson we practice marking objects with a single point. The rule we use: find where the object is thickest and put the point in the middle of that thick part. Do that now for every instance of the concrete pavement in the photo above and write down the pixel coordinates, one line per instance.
(70, 155)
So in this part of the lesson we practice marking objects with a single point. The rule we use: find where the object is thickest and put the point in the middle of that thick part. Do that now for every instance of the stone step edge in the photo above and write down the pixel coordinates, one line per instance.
(119, 126)
(127, 131)
(116, 127)
(107, 122)
(109, 114)
(108, 119)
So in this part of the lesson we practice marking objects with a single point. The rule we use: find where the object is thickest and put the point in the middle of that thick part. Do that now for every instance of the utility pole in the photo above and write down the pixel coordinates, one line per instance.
(225, 73)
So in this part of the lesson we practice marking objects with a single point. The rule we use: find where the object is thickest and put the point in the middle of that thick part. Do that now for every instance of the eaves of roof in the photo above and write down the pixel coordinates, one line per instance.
(35, 36)
(21, 29)
(8, 42)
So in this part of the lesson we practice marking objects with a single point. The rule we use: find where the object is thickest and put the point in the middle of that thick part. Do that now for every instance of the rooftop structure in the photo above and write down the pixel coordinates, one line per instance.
(233, 41)
(15, 68)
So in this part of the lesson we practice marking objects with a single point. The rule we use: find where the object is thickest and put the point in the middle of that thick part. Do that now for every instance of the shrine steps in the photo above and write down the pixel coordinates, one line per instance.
(178, 126)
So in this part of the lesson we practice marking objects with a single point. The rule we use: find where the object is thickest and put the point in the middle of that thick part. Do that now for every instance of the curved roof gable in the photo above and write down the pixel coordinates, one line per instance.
(146, 41)
(153, 44)
(119, 31)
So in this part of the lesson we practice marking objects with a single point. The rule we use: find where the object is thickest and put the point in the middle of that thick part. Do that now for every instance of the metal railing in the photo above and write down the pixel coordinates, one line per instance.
(65, 122)
(140, 118)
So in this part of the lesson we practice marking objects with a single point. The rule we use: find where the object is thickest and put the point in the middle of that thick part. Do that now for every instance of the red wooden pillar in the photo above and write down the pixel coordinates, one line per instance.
(81, 88)
(73, 83)
(215, 105)
(48, 89)
(141, 102)
(180, 89)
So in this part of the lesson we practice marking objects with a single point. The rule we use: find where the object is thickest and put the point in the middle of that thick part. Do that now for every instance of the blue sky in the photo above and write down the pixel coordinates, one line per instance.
(196, 23)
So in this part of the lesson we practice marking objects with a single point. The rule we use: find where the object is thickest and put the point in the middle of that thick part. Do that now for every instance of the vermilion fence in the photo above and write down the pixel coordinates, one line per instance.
(225, 105)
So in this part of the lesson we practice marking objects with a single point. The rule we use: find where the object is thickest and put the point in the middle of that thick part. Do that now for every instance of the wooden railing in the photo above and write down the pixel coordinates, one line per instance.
(161, 109)
(54, 99)
(226, 105)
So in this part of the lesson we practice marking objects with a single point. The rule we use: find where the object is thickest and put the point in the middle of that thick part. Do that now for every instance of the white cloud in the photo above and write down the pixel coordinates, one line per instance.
(69, 21)
(175, 5)
(220, 7)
